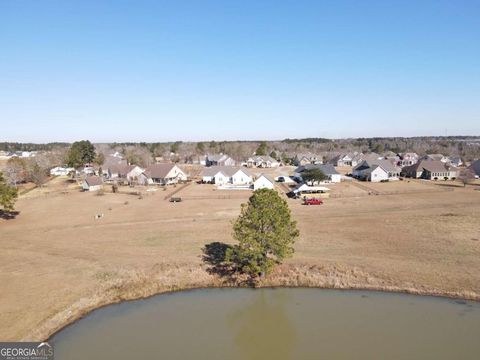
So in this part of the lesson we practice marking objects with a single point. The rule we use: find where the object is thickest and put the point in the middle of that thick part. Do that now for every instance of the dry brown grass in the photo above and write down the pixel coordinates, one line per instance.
(57, 262)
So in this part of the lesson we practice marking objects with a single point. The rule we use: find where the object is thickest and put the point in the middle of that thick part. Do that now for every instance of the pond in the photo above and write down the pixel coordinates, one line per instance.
(284, 323)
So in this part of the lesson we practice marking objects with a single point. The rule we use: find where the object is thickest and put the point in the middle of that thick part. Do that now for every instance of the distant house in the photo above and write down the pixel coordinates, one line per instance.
(127, 172)
(221, 175)
(219, 160)
(455, 161)
(435, 157)
(475, 167)
(117, 155)
(328, 169)
(263, 182)
(92, 183)
(162, 174)
(307, 158)
(61, 171)
(392, 157)
(376, 170)
(25, 154)
(262, 162)
(348, 159)
(408, 159)
(87, 169)
(195, 159)
(430, 170)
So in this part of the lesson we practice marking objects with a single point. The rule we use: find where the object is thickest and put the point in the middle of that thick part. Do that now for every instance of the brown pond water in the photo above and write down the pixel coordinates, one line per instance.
(276, 324)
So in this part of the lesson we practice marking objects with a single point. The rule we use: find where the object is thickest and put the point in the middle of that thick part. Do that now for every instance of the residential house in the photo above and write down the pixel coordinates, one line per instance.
(328, 169)
(219, 160)
(221, 175)
(117, 155)
(162, 174)
(263, 182)
(262, 162)
(435, 157)
(129, 173)
(307, 158)
(430, 170)
(392, 157)
(376, 170)
(407, 159)
(475, 167)
(455, 161)
(348, 159)
(92, 183)
(196, 159)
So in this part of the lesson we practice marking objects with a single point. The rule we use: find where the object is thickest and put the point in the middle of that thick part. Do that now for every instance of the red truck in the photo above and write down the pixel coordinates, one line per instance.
(312, 201)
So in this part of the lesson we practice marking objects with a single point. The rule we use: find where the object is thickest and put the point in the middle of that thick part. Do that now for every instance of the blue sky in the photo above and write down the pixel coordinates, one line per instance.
(201, 70)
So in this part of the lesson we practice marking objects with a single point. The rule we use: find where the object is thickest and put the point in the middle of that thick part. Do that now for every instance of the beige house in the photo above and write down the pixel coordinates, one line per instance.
(162, 174)
(430, 170)
(92, 183)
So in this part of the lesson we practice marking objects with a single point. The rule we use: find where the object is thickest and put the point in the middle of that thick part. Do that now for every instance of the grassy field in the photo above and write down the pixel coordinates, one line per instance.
(57, 261)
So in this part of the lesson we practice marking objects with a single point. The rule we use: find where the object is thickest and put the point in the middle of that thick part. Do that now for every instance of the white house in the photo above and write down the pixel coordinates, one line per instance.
(221, 175)
(376, 174)
(262, 162)
(263, 182)
(376, 170)
(163, 174)
(61, 171)
(92, 183)
(241, 177)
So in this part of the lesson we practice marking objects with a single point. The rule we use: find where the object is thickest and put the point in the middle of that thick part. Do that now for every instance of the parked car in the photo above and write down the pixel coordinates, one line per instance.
(312, 201)
(175, 199)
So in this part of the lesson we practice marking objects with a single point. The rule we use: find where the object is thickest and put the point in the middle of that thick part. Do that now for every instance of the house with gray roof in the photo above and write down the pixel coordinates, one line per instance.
(221, 175)
(92, 183)
(475, 167)
(263, 182)
(435, 157)
(407, 159)
(122, 171)
(376, 170)
(307, 158)
(263, 161)
(162, 174)
(430, 170)
(219, 160)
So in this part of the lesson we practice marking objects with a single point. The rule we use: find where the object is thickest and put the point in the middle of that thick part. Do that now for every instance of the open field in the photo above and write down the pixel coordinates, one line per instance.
(57, 261)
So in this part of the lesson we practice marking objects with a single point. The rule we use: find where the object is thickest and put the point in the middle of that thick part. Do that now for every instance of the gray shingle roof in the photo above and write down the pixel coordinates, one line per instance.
(159, 171)
(430, 165)
(93, 180)
(475, 167)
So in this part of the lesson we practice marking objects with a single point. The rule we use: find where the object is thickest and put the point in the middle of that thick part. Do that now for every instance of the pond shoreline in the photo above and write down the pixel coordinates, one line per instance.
(287, 276)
